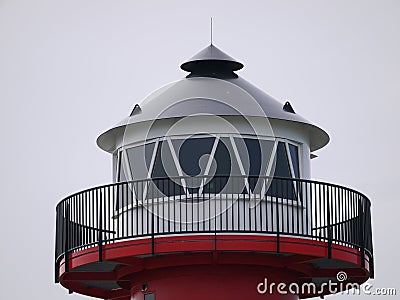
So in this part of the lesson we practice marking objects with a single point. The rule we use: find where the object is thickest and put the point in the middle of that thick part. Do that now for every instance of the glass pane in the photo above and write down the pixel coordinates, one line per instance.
(114, 167)
(193, 155)
(139, 160)
(282, 163)
(266, 150)
(190, 153)
(224, 166)
(122, 176)
(282, 188)
(294, 155)
(246, 156)
(255, 155)
(164, 168)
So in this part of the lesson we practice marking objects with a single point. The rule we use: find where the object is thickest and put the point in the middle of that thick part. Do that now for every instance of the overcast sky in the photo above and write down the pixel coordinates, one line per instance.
(71, 69)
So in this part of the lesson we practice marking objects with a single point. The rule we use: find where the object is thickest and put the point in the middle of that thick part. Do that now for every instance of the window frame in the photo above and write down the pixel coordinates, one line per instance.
(122, 157)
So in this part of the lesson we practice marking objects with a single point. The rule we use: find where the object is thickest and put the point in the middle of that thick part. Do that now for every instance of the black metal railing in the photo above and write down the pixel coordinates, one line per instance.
(219, 204)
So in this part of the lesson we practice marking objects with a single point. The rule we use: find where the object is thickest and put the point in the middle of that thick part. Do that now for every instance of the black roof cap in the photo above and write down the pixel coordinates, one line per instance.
(211, 58)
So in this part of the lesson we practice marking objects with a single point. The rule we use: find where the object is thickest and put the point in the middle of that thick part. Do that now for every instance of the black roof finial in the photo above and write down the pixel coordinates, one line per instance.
(212, 59)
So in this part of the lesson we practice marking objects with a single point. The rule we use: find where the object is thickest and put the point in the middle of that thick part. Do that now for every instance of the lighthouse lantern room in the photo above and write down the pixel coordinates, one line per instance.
(212, 197)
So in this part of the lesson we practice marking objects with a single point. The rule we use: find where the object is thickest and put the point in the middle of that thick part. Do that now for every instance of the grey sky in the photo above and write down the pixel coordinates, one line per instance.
(71, 69)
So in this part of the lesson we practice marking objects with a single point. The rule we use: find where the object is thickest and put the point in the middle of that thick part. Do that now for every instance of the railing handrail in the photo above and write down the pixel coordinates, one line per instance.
(217, 176)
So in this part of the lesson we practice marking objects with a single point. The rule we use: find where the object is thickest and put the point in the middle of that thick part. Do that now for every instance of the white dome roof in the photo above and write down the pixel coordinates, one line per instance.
(212, 88)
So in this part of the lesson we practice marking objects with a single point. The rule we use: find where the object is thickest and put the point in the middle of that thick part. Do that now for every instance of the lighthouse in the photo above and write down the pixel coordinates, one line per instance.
(212, 198)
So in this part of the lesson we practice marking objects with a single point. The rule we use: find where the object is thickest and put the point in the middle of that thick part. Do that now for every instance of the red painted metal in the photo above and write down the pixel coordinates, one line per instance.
(206, 266)
(223, 282)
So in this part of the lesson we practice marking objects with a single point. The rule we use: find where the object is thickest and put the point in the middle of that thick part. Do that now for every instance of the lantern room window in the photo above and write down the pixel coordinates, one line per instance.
(179, 166)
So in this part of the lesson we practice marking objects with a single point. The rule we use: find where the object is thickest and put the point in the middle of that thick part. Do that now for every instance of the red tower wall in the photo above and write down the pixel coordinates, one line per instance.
(222, 282)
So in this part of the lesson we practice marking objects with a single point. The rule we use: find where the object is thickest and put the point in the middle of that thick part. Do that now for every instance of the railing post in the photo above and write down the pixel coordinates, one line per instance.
(152, 221)
(100, 223)
(278, 239)
(328, 215)
(56, 267)
(361, 232)
(368, 235)
(66, 242)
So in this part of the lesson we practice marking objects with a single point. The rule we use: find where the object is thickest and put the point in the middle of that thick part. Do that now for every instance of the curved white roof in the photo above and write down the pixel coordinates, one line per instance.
(211, 88)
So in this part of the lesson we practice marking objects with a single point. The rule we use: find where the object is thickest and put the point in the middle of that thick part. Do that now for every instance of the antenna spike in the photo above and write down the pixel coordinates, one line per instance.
(211, 31)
